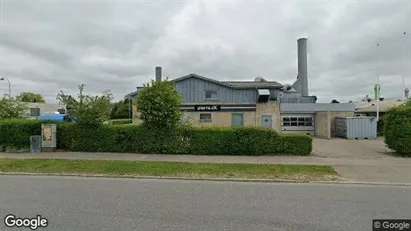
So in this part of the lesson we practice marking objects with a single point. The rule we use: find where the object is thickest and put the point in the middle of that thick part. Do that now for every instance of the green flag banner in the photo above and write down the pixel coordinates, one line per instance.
(377, 90)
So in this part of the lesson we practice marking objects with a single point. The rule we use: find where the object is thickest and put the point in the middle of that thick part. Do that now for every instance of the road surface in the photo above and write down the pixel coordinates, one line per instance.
(71, 203)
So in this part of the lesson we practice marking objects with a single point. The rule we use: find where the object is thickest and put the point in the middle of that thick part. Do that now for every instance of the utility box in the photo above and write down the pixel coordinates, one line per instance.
(35, 144)
(49, 137)
(356, 127)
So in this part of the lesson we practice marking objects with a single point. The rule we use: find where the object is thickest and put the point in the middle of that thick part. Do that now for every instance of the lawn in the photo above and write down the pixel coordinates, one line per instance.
(170, 169)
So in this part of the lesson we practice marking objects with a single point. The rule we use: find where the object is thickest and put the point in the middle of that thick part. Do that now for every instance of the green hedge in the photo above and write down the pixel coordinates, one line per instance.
(397, 130)
(120, 121)
(16, 132)
(185, 140)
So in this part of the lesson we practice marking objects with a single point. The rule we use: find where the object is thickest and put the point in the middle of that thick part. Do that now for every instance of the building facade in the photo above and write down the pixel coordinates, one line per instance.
(260, 103)
(34, 110)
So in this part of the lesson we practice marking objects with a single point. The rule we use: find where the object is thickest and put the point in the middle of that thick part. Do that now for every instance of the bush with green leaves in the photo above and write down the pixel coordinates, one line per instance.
(141, 139)
(182, 140)
(15, 133)
(397, 129)
(159, 105)
(120, 121)
(11, 108)
(88, 110)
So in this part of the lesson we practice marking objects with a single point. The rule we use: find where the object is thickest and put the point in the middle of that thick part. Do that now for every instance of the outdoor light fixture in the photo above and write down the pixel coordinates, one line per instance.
(4, 78)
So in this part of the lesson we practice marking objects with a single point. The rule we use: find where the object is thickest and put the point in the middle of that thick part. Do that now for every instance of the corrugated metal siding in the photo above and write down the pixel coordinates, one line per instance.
(275, 93)
(193, 90)
(356, 127)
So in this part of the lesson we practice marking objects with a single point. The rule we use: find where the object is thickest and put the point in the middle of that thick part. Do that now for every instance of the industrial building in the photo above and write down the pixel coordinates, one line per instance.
(261, 102)
(368, 106)
(35, 110)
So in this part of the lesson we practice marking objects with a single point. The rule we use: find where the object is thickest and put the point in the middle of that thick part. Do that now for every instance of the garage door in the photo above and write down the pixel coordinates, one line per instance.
(302, 123)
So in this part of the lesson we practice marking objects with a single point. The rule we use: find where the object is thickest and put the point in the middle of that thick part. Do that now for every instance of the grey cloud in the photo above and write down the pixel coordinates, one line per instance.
(48, 46)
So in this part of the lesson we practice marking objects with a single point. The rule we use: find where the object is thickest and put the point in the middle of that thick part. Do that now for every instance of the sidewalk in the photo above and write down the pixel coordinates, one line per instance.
(377, 169)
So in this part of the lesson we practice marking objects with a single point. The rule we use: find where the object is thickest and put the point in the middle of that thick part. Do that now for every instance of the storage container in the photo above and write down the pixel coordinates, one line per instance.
(356, 127)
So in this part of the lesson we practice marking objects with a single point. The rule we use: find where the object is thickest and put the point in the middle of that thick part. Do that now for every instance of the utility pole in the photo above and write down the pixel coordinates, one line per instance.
(404, 67)
(377, 87)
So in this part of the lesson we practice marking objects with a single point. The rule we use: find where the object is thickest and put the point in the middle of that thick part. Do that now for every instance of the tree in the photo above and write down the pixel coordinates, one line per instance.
(30, 97)
(159, 105)
(12, 108)
(87, 109)
(408, 103)
(334, 101)
(120, 110)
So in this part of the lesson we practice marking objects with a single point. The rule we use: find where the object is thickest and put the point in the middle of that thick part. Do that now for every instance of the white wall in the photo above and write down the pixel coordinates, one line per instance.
(45, 108)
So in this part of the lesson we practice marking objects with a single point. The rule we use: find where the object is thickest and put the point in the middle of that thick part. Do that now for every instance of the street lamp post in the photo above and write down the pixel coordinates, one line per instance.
(4, 78)
(404, 67)
(129, 107)
(378, 82)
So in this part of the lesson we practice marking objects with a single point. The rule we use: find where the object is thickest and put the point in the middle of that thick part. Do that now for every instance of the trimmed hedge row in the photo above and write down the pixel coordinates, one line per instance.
(120, 121)
(16, 132)
(185, 140)
(397, 129)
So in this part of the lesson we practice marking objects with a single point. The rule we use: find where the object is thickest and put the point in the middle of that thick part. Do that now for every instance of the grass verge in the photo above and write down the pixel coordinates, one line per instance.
(170, 169)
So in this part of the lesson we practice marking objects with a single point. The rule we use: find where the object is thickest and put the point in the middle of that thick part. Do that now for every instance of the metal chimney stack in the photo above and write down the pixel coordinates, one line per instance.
(302, 65)
(158, 74)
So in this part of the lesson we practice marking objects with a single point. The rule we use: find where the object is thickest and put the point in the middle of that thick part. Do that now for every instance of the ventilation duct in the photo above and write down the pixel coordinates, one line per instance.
(263, 95)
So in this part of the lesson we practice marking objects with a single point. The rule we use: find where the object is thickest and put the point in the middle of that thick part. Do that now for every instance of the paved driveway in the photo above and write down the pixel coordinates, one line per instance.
(338, 148)
(373, 160)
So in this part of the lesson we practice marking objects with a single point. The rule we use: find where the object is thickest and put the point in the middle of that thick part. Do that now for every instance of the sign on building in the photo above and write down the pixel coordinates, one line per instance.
(208, 108)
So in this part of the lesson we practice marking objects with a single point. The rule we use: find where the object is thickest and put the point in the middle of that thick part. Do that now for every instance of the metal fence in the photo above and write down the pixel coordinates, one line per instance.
(35, 144)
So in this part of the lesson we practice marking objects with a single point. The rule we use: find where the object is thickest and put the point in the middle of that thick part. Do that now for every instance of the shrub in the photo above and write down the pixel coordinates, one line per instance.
(380, 127)
(397, 130)
(159, 105)
(16, 132)
(140, 139)
(234, 141)
(297, 144)
(121, 121)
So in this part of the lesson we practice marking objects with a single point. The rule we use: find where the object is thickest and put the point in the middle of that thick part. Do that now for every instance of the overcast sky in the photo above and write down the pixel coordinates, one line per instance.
(48, 46)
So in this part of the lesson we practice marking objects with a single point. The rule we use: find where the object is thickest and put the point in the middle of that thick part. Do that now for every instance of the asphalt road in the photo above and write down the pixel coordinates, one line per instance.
(71, 203)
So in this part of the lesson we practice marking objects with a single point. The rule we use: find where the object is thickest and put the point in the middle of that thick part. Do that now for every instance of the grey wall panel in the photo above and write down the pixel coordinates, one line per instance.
(356, 127)
(193, 90)
(313, 107)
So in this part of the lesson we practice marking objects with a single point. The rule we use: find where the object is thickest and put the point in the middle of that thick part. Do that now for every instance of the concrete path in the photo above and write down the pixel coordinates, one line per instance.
(363, 168)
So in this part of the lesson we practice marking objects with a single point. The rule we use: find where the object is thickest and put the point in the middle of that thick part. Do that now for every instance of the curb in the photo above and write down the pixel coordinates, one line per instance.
(206, 179)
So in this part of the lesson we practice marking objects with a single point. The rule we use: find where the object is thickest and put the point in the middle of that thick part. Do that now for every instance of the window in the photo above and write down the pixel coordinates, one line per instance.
(206, 117)
(211, 94)
(237, 120)
(62, 111)
(34, 111)
(297, 121)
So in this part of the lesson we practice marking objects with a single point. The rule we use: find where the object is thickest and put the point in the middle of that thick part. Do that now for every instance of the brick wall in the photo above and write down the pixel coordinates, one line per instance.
(323, 124)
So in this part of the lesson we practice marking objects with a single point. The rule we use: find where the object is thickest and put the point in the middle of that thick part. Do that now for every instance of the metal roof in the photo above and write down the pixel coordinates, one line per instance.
(229, 84)
(233, 84)
(253, 84)
(385, 105)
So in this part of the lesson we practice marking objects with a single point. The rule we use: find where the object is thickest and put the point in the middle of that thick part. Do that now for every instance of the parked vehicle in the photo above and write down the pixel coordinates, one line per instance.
(57, 118)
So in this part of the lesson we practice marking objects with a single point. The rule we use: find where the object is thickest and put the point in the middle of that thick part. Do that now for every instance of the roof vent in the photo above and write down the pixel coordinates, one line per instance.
(263, 95)
(259, 79)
